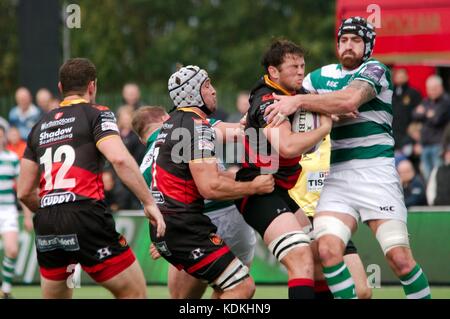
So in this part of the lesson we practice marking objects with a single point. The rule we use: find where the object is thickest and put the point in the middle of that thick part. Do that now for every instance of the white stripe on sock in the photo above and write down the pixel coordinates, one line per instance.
(410, 281)
(420, 294)
(335, 273)
(342, 285)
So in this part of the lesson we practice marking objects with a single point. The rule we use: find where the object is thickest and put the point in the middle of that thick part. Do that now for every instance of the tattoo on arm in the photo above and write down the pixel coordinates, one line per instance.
(367, 91)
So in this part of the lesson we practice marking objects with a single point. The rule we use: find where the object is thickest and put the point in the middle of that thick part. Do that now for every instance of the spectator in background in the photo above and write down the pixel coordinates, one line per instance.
(109, 184)
(15, 143)
(234, 151)
(131, 95)
(25, 114)
(413, 186)
(242, 106)
(404, 100)
(126, 199)
(438, 189)
(130, 139)
(43, 99)
(434, 113)
(412, 148)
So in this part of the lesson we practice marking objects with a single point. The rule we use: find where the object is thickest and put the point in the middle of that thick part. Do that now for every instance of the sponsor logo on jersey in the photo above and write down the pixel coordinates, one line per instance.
(215, 239)
(57, 198)
(373, 72)
(267, 97)
(58, 122)
(101, 107)
(52, 242)
(110, 126)
(58, 115)
(59, 134)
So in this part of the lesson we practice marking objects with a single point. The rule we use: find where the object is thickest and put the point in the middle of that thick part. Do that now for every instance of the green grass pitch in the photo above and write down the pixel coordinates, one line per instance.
(262, 292)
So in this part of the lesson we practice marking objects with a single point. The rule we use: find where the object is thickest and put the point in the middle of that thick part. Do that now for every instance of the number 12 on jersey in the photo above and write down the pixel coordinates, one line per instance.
(48, 161)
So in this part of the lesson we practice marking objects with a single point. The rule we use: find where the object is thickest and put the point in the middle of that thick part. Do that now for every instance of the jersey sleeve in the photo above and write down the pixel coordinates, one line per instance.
(374, 74)
(203, 139)
(258, 106)
(29, 152)
(104, 123)
(308, 84)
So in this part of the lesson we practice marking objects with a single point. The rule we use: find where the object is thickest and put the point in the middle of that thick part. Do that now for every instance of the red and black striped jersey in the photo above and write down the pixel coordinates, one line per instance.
(260, 156)
(63, 143)
(185, 137)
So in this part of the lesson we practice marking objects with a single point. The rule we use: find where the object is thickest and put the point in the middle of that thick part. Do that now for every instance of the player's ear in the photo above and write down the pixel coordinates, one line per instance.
(273, 72)
(60, 88)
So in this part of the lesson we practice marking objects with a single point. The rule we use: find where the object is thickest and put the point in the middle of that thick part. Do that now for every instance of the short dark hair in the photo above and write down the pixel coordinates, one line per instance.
(145, 116)
(75, 75)
(278, 50)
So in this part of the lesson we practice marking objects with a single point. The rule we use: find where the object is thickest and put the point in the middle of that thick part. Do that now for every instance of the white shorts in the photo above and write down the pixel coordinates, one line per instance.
(365, 193)
(9, 219)
(235, 232)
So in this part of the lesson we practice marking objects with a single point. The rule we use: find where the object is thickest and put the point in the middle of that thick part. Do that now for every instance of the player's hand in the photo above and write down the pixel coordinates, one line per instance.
(263, 184)
(350, 115)
(154, 253)
(278, 112)
(154, 215)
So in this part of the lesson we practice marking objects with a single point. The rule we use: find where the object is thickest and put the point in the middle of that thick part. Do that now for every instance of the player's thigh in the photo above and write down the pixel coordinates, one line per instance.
(129, 283)
(184, 286)
(55, 289)
(191, 243)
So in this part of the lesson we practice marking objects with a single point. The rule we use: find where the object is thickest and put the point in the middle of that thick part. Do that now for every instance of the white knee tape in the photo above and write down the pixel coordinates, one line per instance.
(283, 244)
(329, 225)
(392, 233)
(235, 273)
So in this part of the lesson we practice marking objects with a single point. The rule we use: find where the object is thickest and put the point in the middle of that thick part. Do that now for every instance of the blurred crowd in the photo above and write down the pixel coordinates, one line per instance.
(421, 129)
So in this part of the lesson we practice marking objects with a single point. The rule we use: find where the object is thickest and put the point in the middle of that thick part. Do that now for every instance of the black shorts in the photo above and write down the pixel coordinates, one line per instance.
(260, 210)
(81, 232)
(191, 243)
(349, 249)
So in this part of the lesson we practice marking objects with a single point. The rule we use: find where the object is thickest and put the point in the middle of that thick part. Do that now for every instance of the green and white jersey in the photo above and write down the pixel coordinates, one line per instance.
(146, 170)
(9, 170)
(368, 139)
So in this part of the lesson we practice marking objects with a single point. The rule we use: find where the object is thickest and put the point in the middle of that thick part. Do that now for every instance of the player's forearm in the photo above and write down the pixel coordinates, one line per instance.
(297, 144)
(30, 200)
(338, 102)
(225, 188)
(129, 174)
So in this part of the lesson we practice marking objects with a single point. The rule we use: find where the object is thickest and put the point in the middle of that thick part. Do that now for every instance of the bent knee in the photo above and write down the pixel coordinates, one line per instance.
(401, 261)
(330, 249)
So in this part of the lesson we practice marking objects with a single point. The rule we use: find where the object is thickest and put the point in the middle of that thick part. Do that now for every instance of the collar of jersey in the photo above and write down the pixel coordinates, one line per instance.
(71, 102)
(190, 109)
(275, 86)
(152, 137)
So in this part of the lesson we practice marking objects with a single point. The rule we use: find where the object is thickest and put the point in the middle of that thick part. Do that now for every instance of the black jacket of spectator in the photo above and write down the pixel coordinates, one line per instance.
(414, 193)
(443, 186)
(433, 127)
(404, 100)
